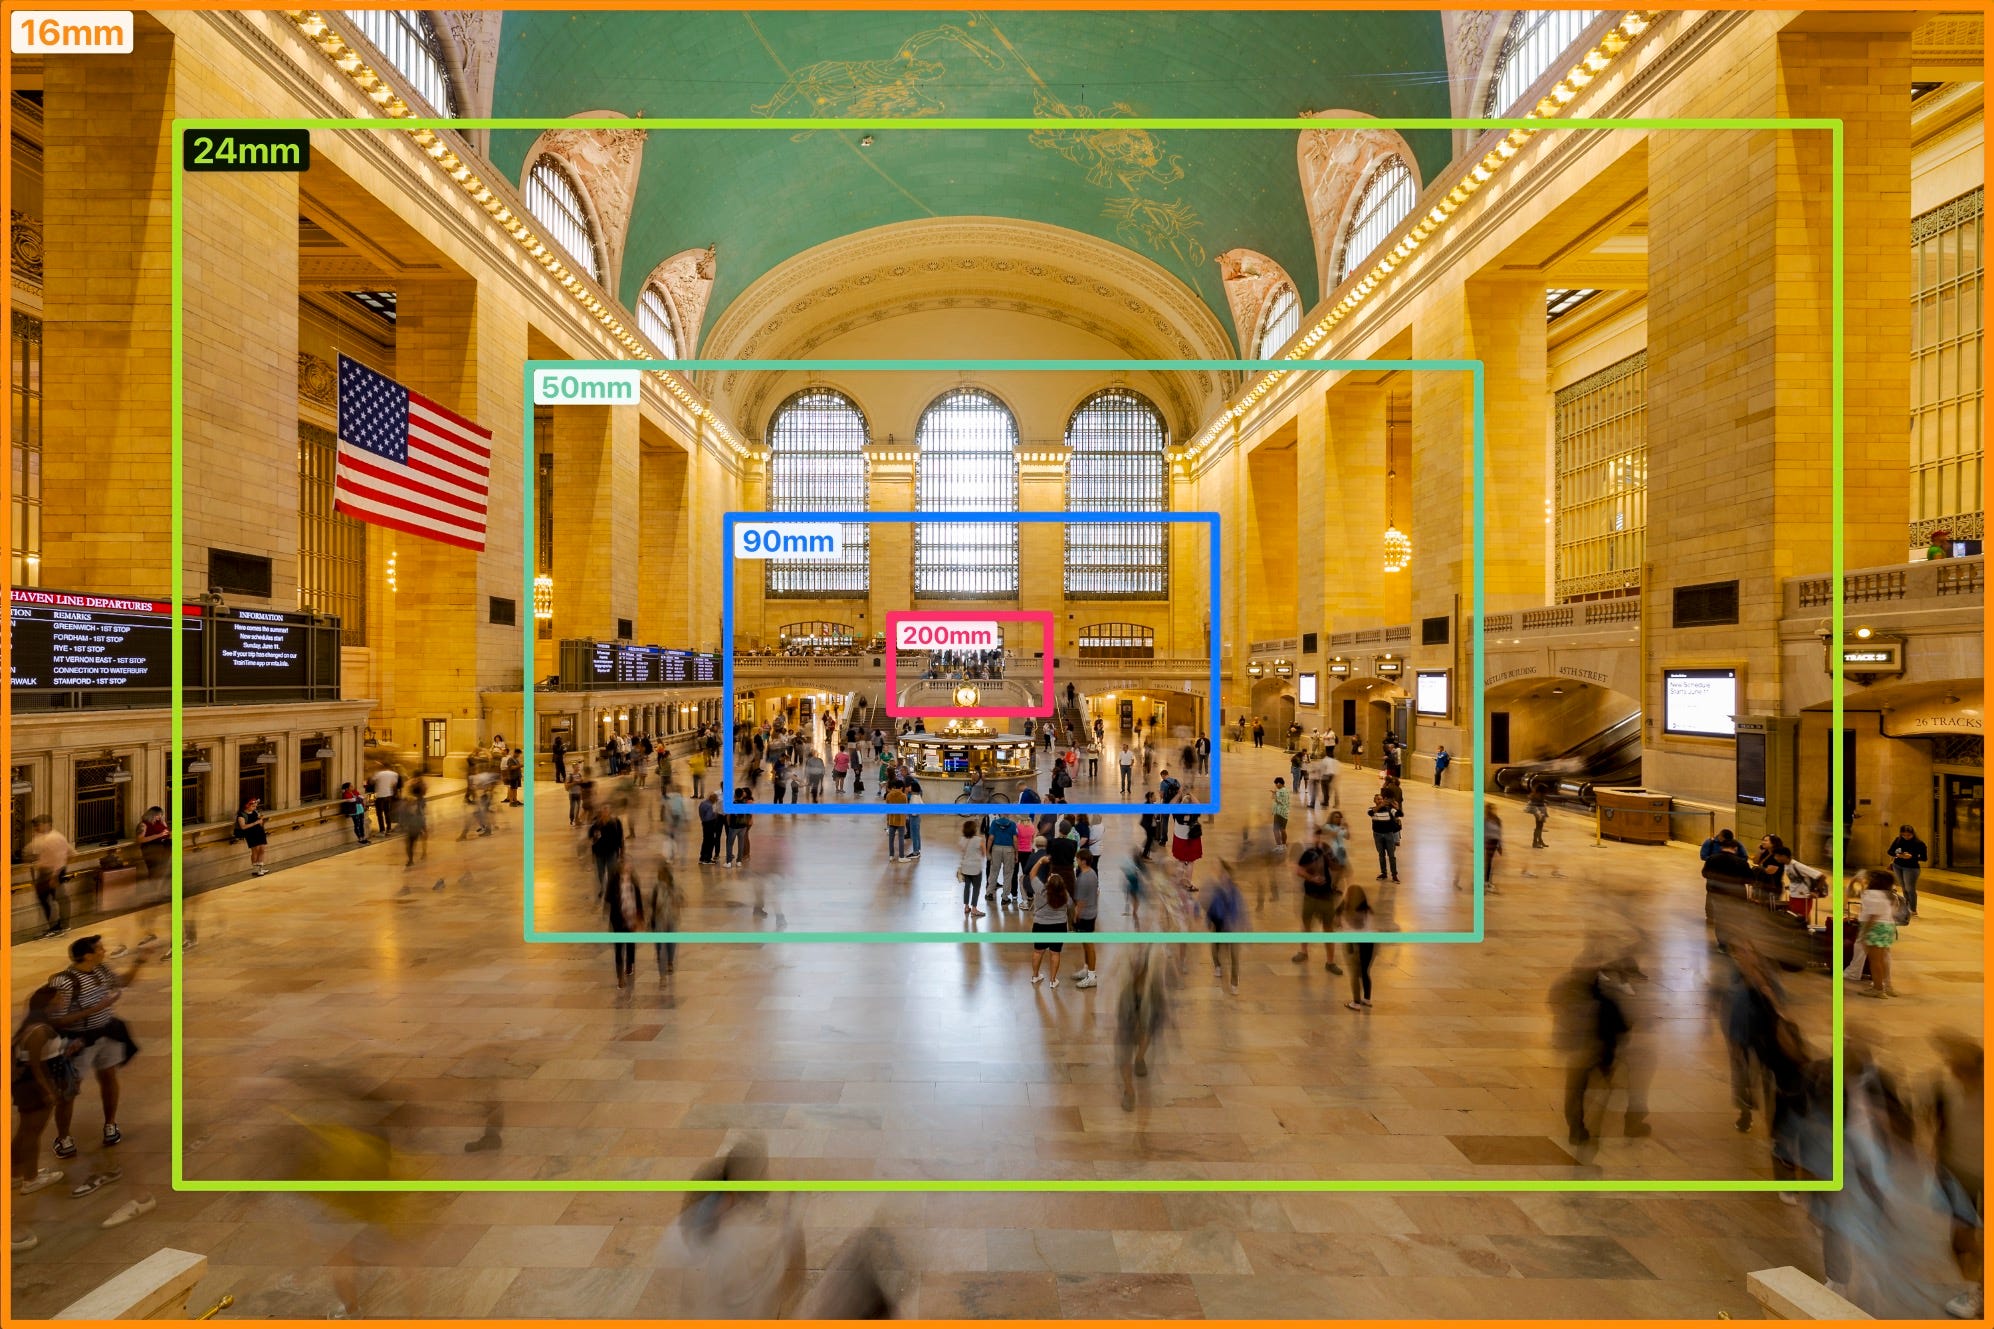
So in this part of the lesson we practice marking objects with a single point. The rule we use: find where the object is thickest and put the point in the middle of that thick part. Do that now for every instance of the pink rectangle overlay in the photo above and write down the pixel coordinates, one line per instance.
(894, 617)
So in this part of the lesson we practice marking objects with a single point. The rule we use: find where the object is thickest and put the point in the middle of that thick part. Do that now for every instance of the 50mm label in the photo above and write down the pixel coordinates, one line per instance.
(789, 540)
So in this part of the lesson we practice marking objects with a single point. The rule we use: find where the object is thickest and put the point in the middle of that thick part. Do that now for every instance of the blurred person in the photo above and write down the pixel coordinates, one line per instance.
(412, 812)
(1187, 843)
(1283, 804)
(1355, 915)
(43, 1077)
(386, 783)
(1590, 1012)
(853, 1285)
(1315, 870)
(1491, 845)
(748, 1245)
(1959, 1106)
(1225, 912)
(625, 908)
(711, 820)
(1748, 1002)
(606, 842)
(1142, 1009)
(738, 825)
(85, 1012)
(1539, 808)
(48, 852)
(352, 805)
(664, 907)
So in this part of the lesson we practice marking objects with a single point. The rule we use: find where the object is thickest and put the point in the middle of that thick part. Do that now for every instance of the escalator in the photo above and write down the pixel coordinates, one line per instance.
(1610, 758)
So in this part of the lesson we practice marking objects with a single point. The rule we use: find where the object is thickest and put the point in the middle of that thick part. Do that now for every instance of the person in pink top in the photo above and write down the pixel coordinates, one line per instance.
(1028, 832)
(841, 766)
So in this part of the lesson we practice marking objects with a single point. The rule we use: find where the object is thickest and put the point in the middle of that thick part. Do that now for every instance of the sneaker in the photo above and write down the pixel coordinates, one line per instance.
(1353, 1006)
(1053, 985)
(27, 1241)
(112, 1134)
(41, 1181)
(1038, 978)
(1968, 1305)
(1089, 980)
(1334, 968)
(1788, 1197)
(65, 1147)
(1235, 989)
(1299, 957)
(1381, 876)
(129, 1210)
(1217, 972)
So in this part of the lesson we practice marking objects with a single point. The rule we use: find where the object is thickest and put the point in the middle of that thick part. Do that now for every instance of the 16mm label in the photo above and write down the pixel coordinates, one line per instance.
(67, 32)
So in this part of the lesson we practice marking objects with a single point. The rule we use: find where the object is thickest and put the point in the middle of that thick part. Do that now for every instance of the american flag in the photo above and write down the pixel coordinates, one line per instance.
(407, 463)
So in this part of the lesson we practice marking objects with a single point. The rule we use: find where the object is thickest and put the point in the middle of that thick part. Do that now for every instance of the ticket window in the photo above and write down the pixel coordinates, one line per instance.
(314, 769)
(191, 808)
(103, 786)
(254, 763)
(21, 805)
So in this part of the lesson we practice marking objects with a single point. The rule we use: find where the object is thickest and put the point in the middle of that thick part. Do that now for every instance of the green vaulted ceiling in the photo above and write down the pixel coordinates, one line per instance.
(1177, 197)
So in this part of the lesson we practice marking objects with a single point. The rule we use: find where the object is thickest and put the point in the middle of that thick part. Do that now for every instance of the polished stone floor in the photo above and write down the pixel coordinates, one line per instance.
(352, 991)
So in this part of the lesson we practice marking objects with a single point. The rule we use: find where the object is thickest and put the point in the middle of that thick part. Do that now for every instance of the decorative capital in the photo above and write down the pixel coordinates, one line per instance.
(26, 248)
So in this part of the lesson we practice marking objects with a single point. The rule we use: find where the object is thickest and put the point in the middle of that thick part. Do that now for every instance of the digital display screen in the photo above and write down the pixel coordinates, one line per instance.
(1305, 689)
(675, 667)
(609, 664)
(637, 665)
(1700, 702)
(1752, 768)
(705, 668)
(256, 649)
(98, 644)
(1430, 692)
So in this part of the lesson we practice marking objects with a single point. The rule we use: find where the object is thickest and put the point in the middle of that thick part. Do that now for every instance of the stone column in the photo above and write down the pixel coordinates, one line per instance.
(1353, 585)
(665, 593)
(1739, 446)
(892, 490)
(1042, 545)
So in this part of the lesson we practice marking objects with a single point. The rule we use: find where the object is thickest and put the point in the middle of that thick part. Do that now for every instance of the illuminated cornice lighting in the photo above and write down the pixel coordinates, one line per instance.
(1585, 72)
(350, 63)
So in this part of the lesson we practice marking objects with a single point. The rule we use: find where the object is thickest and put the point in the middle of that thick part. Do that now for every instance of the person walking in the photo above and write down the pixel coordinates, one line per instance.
(1141, 1011)
(736, 830)
(1030, 849)
(1441, 761)
(85, 1012)
(1000, 848)
(1539, 808)
(970, 862)
(896, 825)
(1589, 1009)
(1356, 916)
(512, 770)
(1907, 854)
(1959, 1110)
(1225, 912)
(1878, 913)
(813, 774)
(1203, 748)
(1187, 844)
(249, 829)
(412, 812)
(606, 840)
(1316, 870)
(1284, 803)
(43, 1077)
(625, 910)
(663, 908)
(1491, 845)
(1386, 825)
(48, 852)
(387, 783)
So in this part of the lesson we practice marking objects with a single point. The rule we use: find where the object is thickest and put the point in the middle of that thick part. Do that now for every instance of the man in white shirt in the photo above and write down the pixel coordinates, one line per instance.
(386, 782)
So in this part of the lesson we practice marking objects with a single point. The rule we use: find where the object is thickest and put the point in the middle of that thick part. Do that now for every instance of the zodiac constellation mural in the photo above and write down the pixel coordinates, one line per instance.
(1129, 163)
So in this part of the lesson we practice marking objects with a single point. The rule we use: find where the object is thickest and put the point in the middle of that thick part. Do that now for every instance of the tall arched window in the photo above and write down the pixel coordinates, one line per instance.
(1279, 320)
(968, 461)
(1117, 465)
(555, 202)
(408, 39)
(817, 444)
(1382, 207)
(654, 320)
(1536, 38)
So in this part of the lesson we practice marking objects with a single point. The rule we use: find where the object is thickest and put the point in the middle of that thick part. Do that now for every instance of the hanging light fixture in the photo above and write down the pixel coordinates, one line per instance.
(543, 597)
(1398, 548)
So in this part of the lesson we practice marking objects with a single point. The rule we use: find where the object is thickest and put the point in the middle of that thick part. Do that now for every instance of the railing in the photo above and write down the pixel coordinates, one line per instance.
(1582, 616)
(1949, 577)
(1398, 632)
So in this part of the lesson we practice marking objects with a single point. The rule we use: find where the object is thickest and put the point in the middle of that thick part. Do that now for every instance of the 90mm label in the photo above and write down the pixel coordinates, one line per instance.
(789, 540)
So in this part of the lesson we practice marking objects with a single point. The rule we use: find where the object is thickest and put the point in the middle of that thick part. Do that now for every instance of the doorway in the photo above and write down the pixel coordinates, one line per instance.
(435, 742)
(1498, 738)
(1964, 828)
(1348, 727)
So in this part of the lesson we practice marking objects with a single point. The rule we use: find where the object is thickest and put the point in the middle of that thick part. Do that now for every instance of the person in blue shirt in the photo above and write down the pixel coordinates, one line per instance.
(1441, 760)
(1000, 845)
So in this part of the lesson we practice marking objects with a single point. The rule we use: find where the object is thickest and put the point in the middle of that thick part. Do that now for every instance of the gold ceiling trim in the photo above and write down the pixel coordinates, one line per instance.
(1590, 66)
(377, 90)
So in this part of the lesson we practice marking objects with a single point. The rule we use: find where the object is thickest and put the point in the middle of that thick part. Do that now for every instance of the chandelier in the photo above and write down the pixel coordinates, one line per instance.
(543, 597)
(1398, 547)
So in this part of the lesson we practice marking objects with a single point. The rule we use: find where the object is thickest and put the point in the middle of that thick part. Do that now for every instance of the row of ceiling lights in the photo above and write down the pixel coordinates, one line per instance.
(1594, 63)
(349, 62)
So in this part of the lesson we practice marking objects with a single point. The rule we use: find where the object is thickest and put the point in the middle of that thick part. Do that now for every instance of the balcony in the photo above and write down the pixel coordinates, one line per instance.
(1936, 584)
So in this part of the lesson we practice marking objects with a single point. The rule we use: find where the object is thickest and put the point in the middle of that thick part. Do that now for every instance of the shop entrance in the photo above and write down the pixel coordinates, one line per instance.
(1963, 808)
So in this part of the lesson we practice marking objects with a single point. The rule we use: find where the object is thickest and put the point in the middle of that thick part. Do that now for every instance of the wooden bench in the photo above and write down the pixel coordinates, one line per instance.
(156, 1288)
(1788, 1294)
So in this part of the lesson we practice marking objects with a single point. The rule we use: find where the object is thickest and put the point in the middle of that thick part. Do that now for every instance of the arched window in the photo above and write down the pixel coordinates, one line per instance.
(654, 320)
(968, 461)
(817, 444)
(554, 201)
(1382, 207)
(1537, 37)
(409, 41)
(1279, 320)
(1117, 465)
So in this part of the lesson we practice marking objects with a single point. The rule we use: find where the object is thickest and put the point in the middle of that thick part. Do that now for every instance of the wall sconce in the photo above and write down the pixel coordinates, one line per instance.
(392, 556)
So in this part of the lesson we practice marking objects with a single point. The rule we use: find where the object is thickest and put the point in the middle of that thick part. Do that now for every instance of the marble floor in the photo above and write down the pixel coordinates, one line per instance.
(352, 992)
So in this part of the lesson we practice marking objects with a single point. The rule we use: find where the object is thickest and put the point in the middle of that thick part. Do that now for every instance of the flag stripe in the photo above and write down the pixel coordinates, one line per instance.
(450, 480)
(378, 518)
(374, 500)
(372, 473)
(449, 426)
(389, 513)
